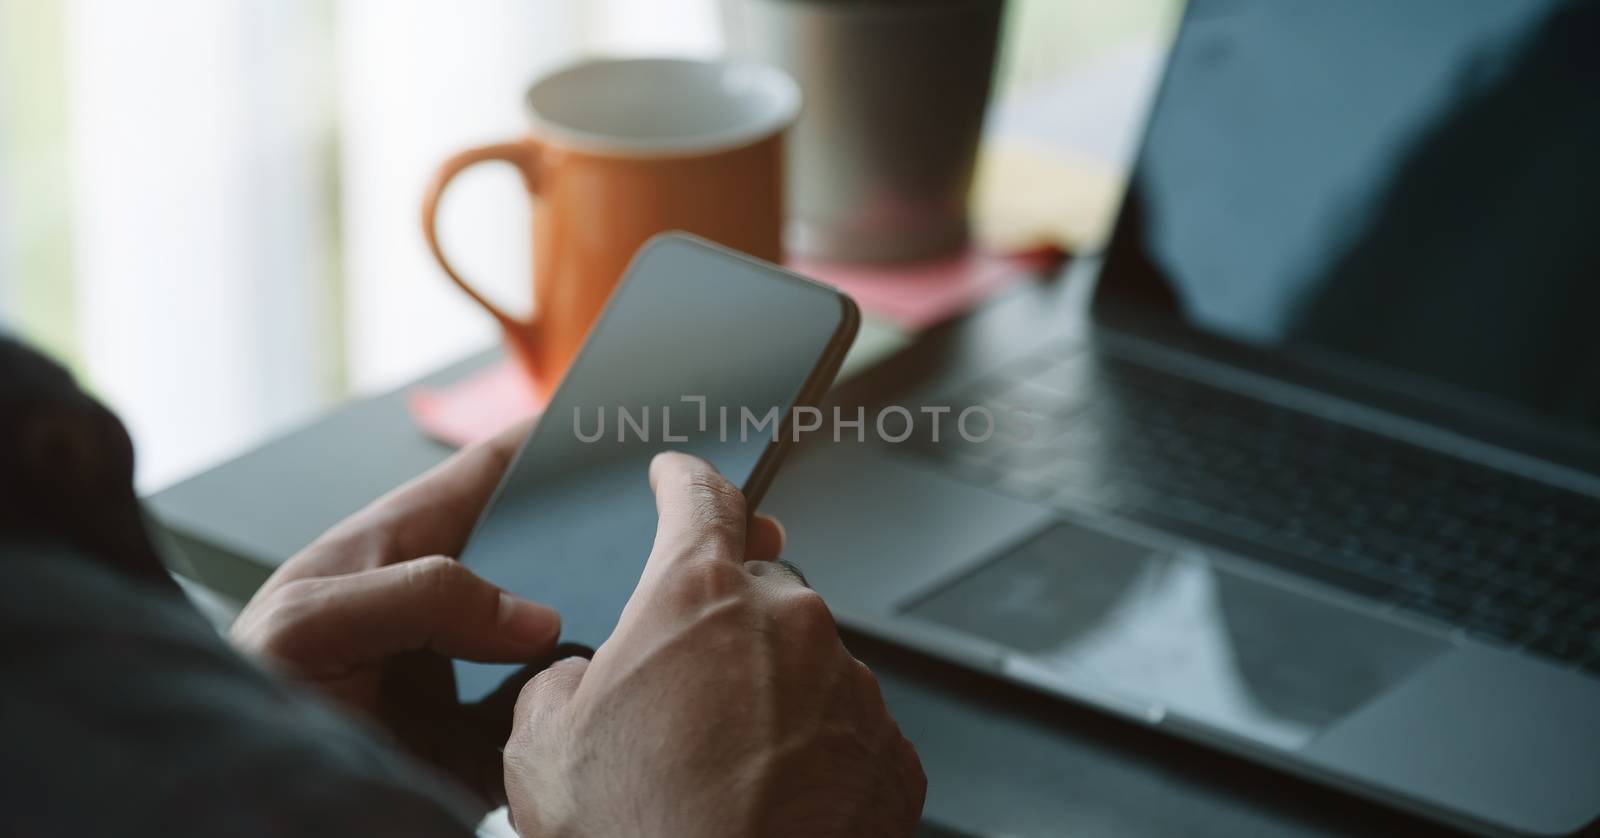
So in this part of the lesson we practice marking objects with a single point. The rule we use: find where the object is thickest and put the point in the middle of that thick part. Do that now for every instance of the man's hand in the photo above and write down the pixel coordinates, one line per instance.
(369, 612)
(724, 703)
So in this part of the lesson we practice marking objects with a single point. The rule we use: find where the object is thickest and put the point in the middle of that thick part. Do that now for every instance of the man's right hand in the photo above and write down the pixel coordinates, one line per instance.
(724, 704)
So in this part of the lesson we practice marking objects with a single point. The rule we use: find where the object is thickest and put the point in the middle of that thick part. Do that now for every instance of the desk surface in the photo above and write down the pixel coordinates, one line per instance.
(1000, 760)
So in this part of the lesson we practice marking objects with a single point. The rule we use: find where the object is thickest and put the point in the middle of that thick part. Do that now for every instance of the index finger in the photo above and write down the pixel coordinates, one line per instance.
(699, 513)
(437, 510)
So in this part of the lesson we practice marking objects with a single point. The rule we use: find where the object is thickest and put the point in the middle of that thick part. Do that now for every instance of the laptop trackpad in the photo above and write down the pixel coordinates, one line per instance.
(1182, 631)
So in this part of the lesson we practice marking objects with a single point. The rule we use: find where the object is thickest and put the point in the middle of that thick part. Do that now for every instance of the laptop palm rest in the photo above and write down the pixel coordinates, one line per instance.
(1181, 631)
(1231, 654)
(1510, 738)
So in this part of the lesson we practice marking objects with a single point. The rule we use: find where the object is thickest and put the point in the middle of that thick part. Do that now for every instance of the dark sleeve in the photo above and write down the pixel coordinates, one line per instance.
(121, 710)
(123, 713)
(66, 468)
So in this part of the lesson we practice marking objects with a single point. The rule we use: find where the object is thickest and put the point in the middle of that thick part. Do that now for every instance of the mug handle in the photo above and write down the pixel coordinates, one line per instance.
(524, 154)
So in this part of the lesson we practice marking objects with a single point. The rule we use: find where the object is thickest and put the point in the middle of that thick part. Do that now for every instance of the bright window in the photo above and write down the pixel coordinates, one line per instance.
(208, 208)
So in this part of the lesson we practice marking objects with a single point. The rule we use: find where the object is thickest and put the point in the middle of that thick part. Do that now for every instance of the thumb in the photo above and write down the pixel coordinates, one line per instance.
(432, 603)
(699, 513)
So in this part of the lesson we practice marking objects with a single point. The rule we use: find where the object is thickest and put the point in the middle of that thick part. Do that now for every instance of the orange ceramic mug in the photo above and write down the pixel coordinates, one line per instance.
(621, 150)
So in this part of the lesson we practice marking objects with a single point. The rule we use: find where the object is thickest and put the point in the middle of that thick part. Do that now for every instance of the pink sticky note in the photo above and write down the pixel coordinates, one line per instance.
(476, 407)
(918, 295)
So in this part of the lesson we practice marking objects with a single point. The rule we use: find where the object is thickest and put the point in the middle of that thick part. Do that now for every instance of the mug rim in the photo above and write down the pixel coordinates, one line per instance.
(783, 115)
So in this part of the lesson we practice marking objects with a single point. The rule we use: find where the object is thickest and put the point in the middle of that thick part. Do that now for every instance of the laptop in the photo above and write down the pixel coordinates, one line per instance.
(1307, 465)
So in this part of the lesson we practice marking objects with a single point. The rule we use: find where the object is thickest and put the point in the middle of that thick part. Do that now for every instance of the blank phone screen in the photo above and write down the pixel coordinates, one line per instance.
(698, 351)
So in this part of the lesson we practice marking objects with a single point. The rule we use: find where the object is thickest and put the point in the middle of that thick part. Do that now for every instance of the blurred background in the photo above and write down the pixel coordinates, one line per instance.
(208, 208)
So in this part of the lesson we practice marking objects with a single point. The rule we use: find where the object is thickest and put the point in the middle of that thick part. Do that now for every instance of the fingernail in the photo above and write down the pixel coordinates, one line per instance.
(527, 622)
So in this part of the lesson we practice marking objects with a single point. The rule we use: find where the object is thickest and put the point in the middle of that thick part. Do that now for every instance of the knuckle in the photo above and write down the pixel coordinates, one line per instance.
(528, 696)
(297, 600)
(289, 617)
(805, 612)
(439, 577)
(541, 695)
(710, 486)
(728, 622)
(710, 579)
(540, 685)
(530, 699)
(715, 500)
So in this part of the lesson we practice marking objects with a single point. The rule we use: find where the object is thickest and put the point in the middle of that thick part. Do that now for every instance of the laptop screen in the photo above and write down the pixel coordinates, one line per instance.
(1410, 188)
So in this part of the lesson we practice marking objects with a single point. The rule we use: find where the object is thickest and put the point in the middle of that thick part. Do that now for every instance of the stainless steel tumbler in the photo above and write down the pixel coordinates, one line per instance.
(881, 161)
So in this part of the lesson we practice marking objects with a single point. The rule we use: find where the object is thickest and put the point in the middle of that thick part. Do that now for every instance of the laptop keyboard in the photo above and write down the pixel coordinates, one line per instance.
(1512, 560)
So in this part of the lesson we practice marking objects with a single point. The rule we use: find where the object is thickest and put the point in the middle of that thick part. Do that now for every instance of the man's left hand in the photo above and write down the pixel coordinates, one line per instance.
(370, 612)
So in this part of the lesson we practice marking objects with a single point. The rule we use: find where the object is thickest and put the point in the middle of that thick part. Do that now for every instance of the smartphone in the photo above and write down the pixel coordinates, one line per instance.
(699, 349)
